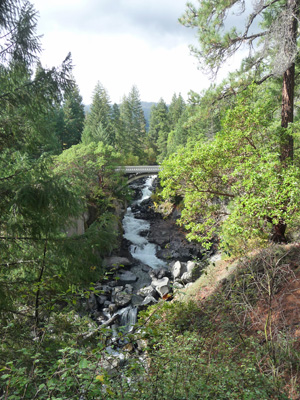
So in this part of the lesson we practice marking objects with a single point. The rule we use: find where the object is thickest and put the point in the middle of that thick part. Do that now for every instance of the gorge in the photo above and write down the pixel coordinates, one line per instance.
(145, 270)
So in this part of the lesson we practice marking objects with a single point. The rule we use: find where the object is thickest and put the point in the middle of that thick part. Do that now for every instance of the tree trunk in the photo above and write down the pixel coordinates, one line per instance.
(278, 234)
(288, 87)
(287, 109)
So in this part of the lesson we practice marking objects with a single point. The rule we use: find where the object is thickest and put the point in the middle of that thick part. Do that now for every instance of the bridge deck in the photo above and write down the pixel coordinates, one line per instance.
(139, 169)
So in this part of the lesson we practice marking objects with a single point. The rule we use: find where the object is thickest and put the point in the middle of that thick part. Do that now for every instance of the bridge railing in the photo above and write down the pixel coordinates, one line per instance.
(139, 169)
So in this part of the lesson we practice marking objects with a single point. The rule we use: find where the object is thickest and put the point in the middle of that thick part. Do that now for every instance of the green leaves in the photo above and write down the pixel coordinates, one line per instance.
(83, 363)
(235, 185)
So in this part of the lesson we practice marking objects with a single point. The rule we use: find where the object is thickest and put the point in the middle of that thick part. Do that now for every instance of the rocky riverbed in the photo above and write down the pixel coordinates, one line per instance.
(155, 259)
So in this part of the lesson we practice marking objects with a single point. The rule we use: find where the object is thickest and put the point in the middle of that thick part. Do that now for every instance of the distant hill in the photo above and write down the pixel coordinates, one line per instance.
(146, 108)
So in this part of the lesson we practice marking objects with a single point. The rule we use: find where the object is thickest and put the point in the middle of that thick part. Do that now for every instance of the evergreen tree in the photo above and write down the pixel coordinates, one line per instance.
(159, 128)
(176, 109)
(118, 127)
(134, 123)
(98, 125)
(73, 118)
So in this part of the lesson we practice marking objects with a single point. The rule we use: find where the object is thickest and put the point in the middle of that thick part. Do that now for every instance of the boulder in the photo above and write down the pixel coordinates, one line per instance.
(162, 286)
(194, 269)
(159, 273)
(122, 299)
(147, 291)
(117, 289)
(163, 272)
(178, 269)
(126, 277)
(101, 299)
(146, 268)
(112, 361)
(136, 300)
(177, 285)
(112, 284)
(148, 301)
(100, 318)
(116, 262)
(190, 266)
(128, 288)
(187, 277)
(106, 290)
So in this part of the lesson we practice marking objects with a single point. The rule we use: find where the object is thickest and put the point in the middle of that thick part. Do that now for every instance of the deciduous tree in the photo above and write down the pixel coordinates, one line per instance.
(270, 32)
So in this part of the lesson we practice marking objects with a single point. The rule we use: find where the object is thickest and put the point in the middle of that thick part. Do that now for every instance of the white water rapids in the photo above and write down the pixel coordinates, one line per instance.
(141, 249)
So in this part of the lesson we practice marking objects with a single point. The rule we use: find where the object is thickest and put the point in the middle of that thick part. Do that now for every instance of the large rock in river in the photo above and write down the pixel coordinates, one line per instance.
(162, 286)
(116, 262)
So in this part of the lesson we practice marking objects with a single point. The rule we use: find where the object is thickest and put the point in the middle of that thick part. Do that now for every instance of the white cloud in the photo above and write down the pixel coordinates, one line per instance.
(121, 43)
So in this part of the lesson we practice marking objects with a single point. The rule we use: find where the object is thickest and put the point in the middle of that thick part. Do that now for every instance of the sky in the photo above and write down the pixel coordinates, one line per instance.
(122, 43)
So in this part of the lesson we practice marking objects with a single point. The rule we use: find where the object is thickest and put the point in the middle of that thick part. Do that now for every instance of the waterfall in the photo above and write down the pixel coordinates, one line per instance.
(128, 317)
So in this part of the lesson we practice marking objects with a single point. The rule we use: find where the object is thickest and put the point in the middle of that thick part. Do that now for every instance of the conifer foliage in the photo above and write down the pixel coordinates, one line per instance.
(41, 196)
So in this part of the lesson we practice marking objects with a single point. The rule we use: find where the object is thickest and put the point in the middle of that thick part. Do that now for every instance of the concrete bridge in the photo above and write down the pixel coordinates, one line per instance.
(139, 171)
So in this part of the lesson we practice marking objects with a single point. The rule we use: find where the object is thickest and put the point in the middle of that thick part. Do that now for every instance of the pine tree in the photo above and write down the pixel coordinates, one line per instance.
(73, 118)
(118, 127)
(176, 109)
(134, 123)
(98, 125)
(159, 128)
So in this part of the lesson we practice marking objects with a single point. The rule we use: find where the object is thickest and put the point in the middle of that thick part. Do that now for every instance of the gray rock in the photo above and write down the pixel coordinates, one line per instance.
(100, 318)
(128, 288)
(122, 299)
(142, 344)
(101, 299)
(178, 269)
(148, 301)
(187, 277)
(117, 289)
(136, 300)
(162, 286)
(147, 291)
(195, 269)
(111, 362)
(177, 285)
(116, 262)
(190, 266)
(113, 284)
(162, 273)
(126, 277)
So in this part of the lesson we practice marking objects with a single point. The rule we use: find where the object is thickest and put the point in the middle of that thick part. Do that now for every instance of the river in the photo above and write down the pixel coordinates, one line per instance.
(136, 232)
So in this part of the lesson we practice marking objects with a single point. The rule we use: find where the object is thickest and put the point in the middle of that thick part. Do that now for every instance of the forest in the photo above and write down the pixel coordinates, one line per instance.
(230, 167)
